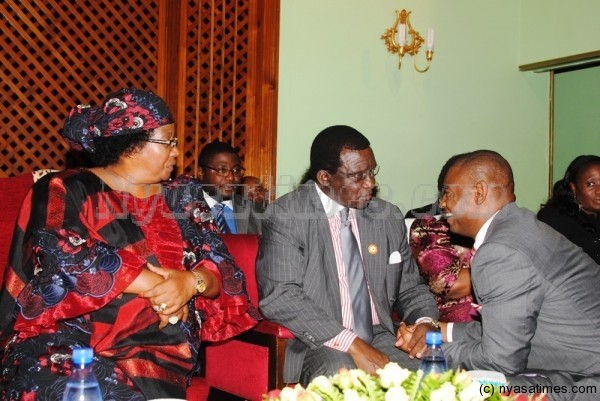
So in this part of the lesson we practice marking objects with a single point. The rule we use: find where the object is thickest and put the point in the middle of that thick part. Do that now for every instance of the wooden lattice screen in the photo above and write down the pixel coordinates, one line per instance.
(217, 64)
(215, 61)
(230, 91)
(57, 53)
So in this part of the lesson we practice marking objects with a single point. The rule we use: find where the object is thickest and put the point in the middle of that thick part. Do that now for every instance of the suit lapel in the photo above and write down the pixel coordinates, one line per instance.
(372, 242)
(375, 248)
(503, 213)
(328, 255)
(241, 221)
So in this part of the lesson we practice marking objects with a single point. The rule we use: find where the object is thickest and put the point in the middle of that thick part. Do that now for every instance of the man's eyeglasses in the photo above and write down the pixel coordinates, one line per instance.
(168, 142)
(361, 175)
(237, 171)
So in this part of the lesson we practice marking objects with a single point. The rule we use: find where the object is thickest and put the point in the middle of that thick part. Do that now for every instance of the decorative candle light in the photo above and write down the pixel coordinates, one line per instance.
(402, 39)
(402, 34)
(430, 39)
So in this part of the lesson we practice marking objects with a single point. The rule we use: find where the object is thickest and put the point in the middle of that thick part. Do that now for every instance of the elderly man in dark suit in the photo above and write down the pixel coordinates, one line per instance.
(334, 264)
(540, 305)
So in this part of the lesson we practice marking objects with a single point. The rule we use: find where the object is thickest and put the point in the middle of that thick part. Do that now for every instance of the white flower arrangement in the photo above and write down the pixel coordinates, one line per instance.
(392, 383)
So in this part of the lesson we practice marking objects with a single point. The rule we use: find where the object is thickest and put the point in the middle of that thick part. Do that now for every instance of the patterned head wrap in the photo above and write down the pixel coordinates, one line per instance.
(127, 111)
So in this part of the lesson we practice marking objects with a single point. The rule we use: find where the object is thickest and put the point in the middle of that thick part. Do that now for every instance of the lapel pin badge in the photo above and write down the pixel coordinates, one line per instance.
(372, 249)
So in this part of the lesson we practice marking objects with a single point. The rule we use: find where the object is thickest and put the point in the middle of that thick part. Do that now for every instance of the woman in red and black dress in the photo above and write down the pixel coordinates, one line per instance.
(118, 258)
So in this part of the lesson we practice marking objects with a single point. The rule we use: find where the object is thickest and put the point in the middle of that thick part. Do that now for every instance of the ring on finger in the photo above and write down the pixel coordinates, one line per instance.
(173, 319)
(160, 308)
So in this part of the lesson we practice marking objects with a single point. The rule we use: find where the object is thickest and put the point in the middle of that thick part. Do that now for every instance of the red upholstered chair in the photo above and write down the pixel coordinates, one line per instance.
(251, 364)
(12, 193)
(198, 390)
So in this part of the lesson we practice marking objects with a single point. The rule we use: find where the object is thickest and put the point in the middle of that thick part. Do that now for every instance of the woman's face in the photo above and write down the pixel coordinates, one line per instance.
(587, 189)
(156, 161)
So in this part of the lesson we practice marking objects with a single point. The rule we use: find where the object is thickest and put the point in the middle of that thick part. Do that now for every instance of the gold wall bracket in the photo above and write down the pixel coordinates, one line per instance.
(402, 39)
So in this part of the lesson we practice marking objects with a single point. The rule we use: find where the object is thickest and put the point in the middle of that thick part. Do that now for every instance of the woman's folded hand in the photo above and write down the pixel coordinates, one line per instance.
(173, 293)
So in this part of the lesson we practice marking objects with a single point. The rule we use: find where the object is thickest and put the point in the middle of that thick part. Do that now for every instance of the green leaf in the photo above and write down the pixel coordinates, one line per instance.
(372, 387)
(325, 389)
(411, 385)
(432, 382)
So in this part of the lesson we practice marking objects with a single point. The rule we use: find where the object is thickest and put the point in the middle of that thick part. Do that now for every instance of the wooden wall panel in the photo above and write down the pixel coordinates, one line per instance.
(216, 76)
(57, 53)
(214, 61)
(261, 98)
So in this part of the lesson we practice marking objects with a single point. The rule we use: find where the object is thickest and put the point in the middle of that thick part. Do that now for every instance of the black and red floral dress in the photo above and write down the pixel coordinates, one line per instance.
(77, 246)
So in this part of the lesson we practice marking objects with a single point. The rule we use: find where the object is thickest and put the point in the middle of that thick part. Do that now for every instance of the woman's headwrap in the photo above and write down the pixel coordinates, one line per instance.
(127, 111)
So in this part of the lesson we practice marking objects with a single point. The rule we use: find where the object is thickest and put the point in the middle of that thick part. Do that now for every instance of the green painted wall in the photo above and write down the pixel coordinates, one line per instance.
(576, 117)
(553, 29)
(335, 69)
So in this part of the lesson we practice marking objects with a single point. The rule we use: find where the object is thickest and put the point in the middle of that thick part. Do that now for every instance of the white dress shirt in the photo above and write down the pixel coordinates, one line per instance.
(343, 340)
(478, 241)
(228, 216)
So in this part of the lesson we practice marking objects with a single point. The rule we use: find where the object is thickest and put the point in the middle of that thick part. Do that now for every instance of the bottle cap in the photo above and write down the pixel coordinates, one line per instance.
(82, 356)
(433, 338)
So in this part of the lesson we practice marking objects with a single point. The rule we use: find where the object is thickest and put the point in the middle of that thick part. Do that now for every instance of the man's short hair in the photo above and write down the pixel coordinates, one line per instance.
(328, 145)
(210, 150)
(500, 168)
(449, 163)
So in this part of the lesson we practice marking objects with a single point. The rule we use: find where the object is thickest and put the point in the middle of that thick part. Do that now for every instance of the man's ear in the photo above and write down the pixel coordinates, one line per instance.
(323, 178)
(481, 192)
(200, 174)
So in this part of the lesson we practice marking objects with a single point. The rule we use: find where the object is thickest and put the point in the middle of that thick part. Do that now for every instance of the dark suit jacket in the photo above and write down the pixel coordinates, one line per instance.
(540, 298)
(297, 273)
(582, 229)
(248, 216)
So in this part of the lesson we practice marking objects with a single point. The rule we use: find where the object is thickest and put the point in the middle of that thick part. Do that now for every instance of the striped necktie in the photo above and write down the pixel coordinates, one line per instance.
(357, 283)
(220, 219)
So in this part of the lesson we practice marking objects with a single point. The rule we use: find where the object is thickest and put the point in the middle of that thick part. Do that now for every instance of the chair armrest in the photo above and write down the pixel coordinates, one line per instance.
(248, 365)
(267, 327)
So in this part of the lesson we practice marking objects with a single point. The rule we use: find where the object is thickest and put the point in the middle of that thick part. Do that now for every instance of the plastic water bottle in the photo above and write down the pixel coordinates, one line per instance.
(82, 384)
(433, 358)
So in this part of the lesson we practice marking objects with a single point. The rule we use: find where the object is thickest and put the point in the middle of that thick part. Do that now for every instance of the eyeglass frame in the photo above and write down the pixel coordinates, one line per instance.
(361, 176)
(171, 143)
(224, 172)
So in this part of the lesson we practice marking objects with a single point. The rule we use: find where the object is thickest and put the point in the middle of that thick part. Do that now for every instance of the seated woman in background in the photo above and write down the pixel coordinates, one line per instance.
(574, 208)
(443, 259)
(117, 258)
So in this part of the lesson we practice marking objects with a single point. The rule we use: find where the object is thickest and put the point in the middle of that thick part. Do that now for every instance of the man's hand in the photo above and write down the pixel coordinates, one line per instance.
(403, 336)
(411, 339)
(366, 357)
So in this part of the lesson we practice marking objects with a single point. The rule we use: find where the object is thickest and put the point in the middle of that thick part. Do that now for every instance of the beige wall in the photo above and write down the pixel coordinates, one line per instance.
(335, 69)
(553, 29)
(576, 117)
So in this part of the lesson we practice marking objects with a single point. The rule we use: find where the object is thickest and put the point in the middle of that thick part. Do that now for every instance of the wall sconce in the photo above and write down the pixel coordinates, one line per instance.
(407, 40)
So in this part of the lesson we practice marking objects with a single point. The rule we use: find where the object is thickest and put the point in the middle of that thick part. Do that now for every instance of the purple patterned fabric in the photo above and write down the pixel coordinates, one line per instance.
(127, 111)
(440, 262)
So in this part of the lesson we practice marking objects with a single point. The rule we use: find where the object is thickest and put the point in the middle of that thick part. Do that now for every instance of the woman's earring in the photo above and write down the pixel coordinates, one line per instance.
(575, 200)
